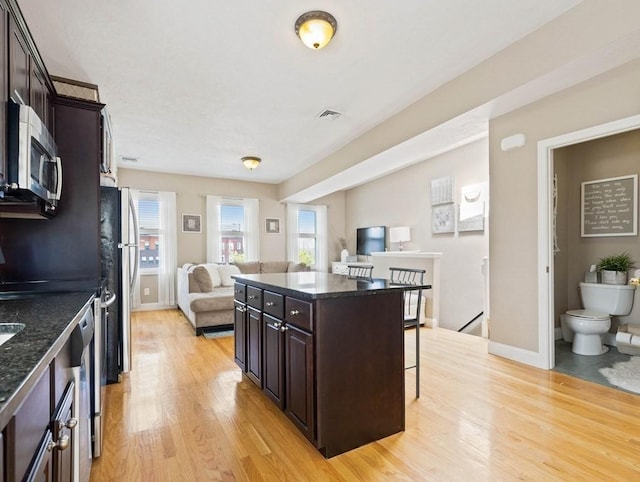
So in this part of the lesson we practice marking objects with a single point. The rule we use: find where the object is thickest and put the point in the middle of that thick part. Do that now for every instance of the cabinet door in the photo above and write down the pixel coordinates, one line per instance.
(239, 334)
(299, 369)
(42, 468)
(19, 61)
(273, 373)
(38, 93)
(62, 425)
(254, 346)
(3, 90)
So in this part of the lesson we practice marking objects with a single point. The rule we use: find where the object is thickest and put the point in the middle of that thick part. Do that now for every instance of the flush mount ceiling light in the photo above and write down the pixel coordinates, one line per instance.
(251, 162)
(316, 28)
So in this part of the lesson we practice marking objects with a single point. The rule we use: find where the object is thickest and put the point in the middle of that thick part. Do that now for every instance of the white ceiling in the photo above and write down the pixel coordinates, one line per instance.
(193, 86)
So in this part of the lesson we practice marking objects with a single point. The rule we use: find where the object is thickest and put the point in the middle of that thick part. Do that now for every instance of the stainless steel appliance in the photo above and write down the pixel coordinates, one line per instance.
(119, 247)
(34, 170)
(101, 315)
(81, 362)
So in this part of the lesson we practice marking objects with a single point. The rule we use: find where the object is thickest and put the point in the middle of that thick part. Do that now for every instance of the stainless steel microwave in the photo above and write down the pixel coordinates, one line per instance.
(34, 170)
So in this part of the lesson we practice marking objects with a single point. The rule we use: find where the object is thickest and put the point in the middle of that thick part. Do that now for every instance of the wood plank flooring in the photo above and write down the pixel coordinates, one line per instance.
(186, 413)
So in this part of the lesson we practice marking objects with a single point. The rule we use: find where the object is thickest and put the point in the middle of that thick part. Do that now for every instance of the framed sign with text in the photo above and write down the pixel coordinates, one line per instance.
(609, 207)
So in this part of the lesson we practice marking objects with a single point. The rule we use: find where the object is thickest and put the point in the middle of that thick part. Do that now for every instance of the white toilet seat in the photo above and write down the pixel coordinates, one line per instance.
(589, 315)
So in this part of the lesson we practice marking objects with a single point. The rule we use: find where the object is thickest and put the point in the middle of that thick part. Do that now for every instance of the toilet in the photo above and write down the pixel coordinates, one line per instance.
(600, 301)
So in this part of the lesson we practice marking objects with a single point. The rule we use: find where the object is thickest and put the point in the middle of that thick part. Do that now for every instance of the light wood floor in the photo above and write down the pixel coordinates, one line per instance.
(185, 413)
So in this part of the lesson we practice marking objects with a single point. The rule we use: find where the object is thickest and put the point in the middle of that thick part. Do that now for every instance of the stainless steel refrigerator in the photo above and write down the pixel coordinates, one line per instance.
(120, 250)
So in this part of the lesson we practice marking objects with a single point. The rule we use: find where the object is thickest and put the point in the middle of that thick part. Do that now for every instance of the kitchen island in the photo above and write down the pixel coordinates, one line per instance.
(328, 350)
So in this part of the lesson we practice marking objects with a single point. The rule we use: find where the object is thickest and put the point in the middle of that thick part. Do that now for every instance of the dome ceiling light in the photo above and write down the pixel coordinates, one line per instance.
(316, 28)
(251, 162)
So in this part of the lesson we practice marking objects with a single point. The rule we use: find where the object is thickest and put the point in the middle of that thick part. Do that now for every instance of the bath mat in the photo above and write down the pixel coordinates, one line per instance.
(624, 374)
(217, 334)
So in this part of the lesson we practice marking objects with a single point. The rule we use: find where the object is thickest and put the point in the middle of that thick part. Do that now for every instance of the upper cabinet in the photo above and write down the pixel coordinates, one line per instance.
(19, 61)
(3, 89)
(28, 82)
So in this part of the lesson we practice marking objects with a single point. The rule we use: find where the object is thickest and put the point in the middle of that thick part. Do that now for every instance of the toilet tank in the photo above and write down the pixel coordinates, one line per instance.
(612, 299)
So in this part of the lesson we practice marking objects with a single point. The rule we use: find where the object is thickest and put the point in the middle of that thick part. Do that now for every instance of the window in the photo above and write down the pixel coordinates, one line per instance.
(148, 209)
(307, 235)
(156, 213)
(232, 230)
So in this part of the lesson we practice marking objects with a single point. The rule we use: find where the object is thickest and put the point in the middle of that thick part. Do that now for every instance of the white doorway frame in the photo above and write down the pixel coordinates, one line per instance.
(546, 311)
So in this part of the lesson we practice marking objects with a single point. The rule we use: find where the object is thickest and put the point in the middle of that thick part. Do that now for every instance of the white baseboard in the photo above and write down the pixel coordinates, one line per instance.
(153, 307)
(527, 357)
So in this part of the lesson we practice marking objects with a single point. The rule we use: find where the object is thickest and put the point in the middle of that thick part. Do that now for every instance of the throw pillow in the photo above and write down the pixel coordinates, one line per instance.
(203, 279)
(274, 267)
(212, 268)
(249, 267)
(225, 273)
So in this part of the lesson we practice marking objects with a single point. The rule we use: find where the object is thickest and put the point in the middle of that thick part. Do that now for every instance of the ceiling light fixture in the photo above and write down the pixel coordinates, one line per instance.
(316, 28)
(251, 162)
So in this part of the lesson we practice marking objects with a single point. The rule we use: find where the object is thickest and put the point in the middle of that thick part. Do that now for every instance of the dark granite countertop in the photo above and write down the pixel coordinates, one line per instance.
(316, 285)
(49, 319)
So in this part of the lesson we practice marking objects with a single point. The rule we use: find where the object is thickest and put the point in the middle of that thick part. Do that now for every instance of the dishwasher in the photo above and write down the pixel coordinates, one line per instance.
(81, 338)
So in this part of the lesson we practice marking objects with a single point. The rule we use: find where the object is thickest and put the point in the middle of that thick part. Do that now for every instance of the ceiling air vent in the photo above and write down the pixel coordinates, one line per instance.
(329, 114)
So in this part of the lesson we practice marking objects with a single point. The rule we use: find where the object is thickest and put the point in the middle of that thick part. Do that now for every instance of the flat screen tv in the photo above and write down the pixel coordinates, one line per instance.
(371, 240)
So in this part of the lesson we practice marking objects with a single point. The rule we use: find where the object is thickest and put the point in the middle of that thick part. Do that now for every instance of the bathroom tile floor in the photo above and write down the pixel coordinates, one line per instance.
(586, 367)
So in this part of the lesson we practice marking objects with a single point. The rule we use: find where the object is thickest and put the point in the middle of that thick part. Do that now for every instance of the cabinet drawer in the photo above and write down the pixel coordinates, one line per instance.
(254, 297)
(299, 313)
(240, 292)
(273, 304)
(31, 421)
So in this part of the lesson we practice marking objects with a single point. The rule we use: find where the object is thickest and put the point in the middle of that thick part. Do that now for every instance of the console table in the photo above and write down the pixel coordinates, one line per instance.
(327, 350)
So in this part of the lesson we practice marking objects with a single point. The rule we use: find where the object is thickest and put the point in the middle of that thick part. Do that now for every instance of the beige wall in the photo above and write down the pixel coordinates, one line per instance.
(513, 220)
(191, 199)
(149, 282)
(612, 156)
(404, 199)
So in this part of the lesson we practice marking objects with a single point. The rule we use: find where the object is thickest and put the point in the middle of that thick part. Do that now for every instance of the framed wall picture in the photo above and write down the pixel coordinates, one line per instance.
(609, 207)
(191, 223)
(272, 226)
(443, 218)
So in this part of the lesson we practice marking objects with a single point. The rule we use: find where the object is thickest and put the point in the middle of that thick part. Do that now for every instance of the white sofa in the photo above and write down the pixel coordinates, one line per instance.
(206, 309)
(205, 291)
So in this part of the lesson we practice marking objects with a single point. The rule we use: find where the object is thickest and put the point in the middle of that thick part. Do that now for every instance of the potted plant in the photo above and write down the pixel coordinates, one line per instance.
(615, 268)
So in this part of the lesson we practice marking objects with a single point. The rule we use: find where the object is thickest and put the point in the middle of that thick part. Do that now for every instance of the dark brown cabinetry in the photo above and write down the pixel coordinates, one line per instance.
(254, 346)
(239, 329)
(279, 357)
(63, 437)
(273, 377)
(299, 380)
(332, 355)
(38, 441)
(19, 62)
(4, 69)
(28, 81)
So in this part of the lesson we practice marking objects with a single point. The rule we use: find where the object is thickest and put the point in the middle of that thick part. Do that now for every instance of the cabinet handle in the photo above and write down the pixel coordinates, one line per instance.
(241, 309)
(269, 303)
(72, 422)
(277, 325)
(61, 444)
(294, 312)
(284, 328)
(252, 297)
